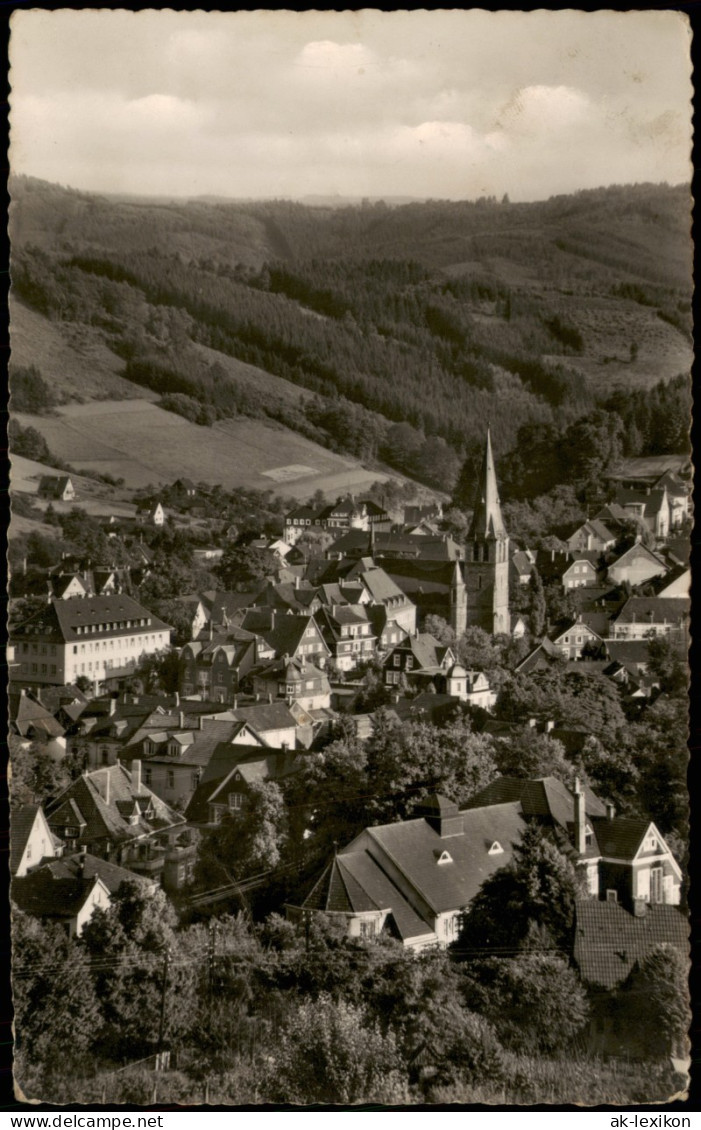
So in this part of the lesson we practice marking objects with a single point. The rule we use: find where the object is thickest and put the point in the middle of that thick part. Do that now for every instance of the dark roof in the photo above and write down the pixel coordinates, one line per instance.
(84, 802)
(654, 610)
(487, 521)
(262, 716)
(609, 940)
(61, 618)
(22, 821)
(27, 716)
(415, 846)
(544, 797)
(621, 837)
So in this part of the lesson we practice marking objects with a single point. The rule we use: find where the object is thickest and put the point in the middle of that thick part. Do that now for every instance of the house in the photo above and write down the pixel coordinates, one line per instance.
(633, 655)
(522, 565)
(651, 507)
(68, 890)
(225, 787)
(428, 511)
(32, 722)
(593, 536)
(677, 584)
(679, 495)
(347, 632)
(419, 659)
(543, 655)
(215, 668)
(471, 687)
(583, 572)
(642, 617)
(386, 630)
(298, 637)
(624, 859)
(31, 840)
(153, 513)
(58, 488)
(118, 818)
(636, 566)
(576, 639)
(64, 586)
(293, 680)
(413, 879)
(88, 636)
(173, 762)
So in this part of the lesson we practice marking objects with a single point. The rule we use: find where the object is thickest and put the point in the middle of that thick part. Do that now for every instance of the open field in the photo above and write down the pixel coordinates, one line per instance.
(71, 356)
(141, 443)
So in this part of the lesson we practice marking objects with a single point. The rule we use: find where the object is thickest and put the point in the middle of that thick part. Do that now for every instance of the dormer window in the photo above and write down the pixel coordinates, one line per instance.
(496, 849)
(445, 857)
(588, 836)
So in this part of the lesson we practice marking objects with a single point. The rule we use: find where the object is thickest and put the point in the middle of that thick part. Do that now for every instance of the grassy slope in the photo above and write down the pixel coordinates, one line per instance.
(141, 443)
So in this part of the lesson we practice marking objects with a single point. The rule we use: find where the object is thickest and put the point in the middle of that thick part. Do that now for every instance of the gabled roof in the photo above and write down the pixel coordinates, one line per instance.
(415, 846)
(86, 798)
(22, 822)
(62, 618)
(609, 940)
(428, 652)
(45, 895)
(654, 610)
(621, 837)
(635, 552)
(487, 521)
(28, 715)
(543, 797)
(262, 716)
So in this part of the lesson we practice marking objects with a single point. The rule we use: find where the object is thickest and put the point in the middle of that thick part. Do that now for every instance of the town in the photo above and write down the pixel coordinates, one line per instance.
(260, 750)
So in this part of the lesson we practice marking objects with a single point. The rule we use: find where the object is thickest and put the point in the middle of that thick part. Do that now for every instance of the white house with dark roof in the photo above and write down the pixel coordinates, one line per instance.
(88, 636)
(592, 536)
(70, 889)
(117, 817)
(642, 617)
(582, 573)
(413, 879)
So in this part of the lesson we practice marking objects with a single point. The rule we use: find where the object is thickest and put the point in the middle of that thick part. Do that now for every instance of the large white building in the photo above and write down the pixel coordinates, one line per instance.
(88, 636)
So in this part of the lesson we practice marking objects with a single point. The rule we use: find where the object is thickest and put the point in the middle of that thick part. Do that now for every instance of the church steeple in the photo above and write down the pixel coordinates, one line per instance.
(487, 522)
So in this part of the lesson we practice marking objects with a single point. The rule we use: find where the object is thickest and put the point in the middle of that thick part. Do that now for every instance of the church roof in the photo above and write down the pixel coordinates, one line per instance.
(487, 521)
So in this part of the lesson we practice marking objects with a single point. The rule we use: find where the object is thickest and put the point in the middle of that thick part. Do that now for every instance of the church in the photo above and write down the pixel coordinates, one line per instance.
(479, 594)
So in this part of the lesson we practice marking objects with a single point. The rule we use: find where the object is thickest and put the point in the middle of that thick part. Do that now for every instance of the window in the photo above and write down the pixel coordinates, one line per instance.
(445, 857)
(409, 662)
(496, 849)
(147, 775)
(656, 884)
(397, 660)
(611, 896)
(367, 929)
(236, 801)
(588, 836)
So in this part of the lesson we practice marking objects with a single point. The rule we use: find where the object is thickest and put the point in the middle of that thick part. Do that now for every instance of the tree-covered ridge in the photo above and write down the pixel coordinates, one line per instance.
(405, 329)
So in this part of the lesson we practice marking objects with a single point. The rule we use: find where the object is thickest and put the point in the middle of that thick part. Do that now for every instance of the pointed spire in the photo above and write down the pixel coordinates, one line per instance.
(487, 521)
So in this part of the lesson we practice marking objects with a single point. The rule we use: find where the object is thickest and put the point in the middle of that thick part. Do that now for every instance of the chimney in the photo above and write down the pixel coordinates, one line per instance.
(296, 581)
(113, 707)
(270, 697)
(639, 908)
(177, 699)
(181, 720)
(106, 797)
(136, 776)
(200, 722)
(81, 861)
(580, 819)
(610, 810)
(236, 702)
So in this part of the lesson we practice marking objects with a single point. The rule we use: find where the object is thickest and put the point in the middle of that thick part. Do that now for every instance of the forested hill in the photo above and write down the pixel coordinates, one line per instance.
(409, 327)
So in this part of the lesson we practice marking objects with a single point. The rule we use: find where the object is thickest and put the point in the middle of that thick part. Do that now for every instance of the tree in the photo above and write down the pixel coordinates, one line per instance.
(529, 902)
(244, 566)
(57, 1012)
(535, 1001)
(655, 1002)
(36, 776)
(248, 840)
(159, 671)
(530, 753)
(668, 662)
(332, 1054)
(537, 612)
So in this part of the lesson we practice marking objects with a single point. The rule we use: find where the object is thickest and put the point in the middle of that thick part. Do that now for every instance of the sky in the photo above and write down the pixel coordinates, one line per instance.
(441, 104)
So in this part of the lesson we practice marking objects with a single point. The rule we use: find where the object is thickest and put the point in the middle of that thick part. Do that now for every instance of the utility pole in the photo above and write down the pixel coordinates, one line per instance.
(161, 1026)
